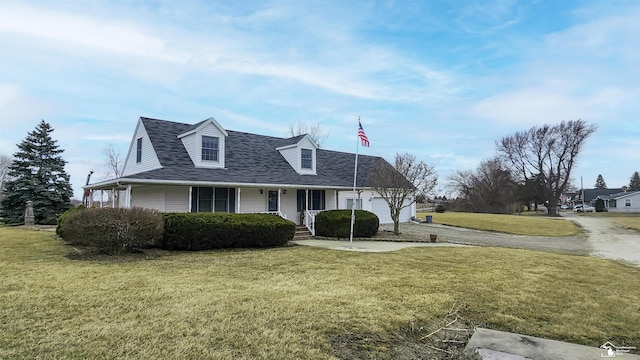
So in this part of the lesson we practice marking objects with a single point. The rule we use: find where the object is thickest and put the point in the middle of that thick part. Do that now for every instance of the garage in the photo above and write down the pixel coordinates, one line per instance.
(381, 208)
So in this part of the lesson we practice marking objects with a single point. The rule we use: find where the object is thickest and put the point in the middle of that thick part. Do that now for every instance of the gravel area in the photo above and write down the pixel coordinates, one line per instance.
(601, 238)
(420, 232)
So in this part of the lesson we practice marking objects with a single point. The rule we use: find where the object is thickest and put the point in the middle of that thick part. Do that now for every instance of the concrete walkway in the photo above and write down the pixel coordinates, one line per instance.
(499, 345)
(369, 246)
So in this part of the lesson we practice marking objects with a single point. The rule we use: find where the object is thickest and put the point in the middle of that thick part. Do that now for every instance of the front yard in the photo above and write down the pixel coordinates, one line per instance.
(297, 302)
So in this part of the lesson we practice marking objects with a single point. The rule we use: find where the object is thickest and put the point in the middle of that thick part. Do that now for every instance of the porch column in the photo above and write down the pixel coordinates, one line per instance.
(279, 198)
(306, 199)
(190, 199)
(127, 199)
(238, 207)
(101, 197)
(113, 198)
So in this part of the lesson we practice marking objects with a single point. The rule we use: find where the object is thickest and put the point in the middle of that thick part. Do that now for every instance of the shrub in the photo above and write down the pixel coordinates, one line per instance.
(203, 231)
(112, 230)
(63, 218)
(337, 223)
(440, 208)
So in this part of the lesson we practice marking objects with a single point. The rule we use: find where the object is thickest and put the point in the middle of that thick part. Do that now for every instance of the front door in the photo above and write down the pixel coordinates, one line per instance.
(272, 200)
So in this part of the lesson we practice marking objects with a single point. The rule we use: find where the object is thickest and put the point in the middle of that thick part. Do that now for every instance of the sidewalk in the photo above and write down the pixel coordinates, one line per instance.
(499, 345)
(370, 246)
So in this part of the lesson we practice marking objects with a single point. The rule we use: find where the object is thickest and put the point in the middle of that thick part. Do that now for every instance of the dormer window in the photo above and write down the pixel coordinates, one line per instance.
(210, 148)
(307, 159)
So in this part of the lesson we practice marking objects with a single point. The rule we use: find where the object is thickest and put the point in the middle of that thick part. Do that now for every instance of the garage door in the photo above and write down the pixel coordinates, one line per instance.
(381, 208)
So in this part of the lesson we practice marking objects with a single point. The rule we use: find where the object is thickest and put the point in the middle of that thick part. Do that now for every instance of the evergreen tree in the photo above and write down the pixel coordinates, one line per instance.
(600, 184)
(634, 182)
(37, 174)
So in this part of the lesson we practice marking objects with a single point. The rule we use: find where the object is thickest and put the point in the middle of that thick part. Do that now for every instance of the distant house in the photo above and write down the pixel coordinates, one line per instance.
(202, 167)
(591, 195)
(622, 202)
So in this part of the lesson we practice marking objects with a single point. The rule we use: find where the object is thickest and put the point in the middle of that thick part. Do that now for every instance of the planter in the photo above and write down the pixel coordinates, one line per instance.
(433, 237)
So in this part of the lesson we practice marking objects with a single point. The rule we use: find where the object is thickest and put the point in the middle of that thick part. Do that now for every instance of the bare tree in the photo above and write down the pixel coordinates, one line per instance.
(314, 130)
(112, 162)
(489, 189)
(400, 183)
(113, 169)
(5, 161)
(549, 152)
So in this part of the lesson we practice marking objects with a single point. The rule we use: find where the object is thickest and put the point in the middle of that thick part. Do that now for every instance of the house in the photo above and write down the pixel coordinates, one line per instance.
(591, 195)
(622, 202)
(176, 167)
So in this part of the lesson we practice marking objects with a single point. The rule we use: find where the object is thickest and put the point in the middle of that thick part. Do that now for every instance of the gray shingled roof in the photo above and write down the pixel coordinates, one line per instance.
(250, 159)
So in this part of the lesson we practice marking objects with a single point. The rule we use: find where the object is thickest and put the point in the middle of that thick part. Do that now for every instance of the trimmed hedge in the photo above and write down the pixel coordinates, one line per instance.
(337, 223)
(440, 208)
(113, 230)
(204, 231)
(63, 218)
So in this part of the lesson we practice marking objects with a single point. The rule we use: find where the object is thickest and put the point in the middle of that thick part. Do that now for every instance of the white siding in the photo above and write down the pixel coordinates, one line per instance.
(289, 205)
(193, 144)
(160, 197)
(189, 143)
(621, 207)
(150, 197)
(293, 155)
(149, 160)
(177, 199)
(252, 201)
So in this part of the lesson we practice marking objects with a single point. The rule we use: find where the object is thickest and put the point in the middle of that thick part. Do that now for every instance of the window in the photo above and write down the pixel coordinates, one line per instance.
(209, 199)
(307, 161)
(301, 200)
(317, 199)
(627, 202)
(139, 150)
(358, 204)
(209, 148)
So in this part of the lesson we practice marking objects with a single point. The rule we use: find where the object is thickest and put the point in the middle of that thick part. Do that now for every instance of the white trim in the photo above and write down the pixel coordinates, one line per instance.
(208, 121)
(123, 181)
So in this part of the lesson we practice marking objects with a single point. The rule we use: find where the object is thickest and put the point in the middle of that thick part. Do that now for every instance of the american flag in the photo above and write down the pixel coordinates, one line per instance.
(362, 135)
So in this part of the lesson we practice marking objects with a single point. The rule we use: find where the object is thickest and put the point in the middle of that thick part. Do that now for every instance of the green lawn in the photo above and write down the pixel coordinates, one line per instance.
(510, 224)
(296, 302)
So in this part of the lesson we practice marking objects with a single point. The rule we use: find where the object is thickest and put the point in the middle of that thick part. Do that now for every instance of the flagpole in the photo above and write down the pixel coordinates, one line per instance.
(353, 203)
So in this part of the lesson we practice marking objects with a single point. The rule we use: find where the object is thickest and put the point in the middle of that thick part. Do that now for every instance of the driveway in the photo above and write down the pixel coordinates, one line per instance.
(607, 240)
(601, 239)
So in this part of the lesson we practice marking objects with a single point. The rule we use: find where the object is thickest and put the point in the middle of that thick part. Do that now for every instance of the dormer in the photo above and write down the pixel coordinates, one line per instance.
(301, 155)
(205, 143)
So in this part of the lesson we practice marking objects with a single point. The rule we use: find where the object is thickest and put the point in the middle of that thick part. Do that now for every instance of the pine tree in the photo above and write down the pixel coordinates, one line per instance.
(634, 182)
(37, 174)
(600, 184)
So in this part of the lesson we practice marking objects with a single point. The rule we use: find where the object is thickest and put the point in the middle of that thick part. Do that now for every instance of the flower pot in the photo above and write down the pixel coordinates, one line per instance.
(433, 237)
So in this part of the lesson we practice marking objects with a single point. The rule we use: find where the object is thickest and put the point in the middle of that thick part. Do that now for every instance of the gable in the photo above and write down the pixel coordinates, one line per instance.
(141, 156)
(301, 155)
(198, 143)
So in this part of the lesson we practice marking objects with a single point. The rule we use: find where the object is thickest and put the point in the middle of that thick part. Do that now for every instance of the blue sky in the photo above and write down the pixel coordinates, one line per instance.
(442, 80)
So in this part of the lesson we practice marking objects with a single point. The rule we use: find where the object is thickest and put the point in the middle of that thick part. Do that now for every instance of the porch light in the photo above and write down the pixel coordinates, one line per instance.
(261, 191)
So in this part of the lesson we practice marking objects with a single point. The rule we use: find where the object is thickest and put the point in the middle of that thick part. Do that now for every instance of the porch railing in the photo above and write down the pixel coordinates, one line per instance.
(310, 220)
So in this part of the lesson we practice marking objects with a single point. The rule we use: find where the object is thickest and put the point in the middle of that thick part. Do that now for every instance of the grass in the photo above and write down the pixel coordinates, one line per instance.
(624, 220)
(296, 302)
(510, 224)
